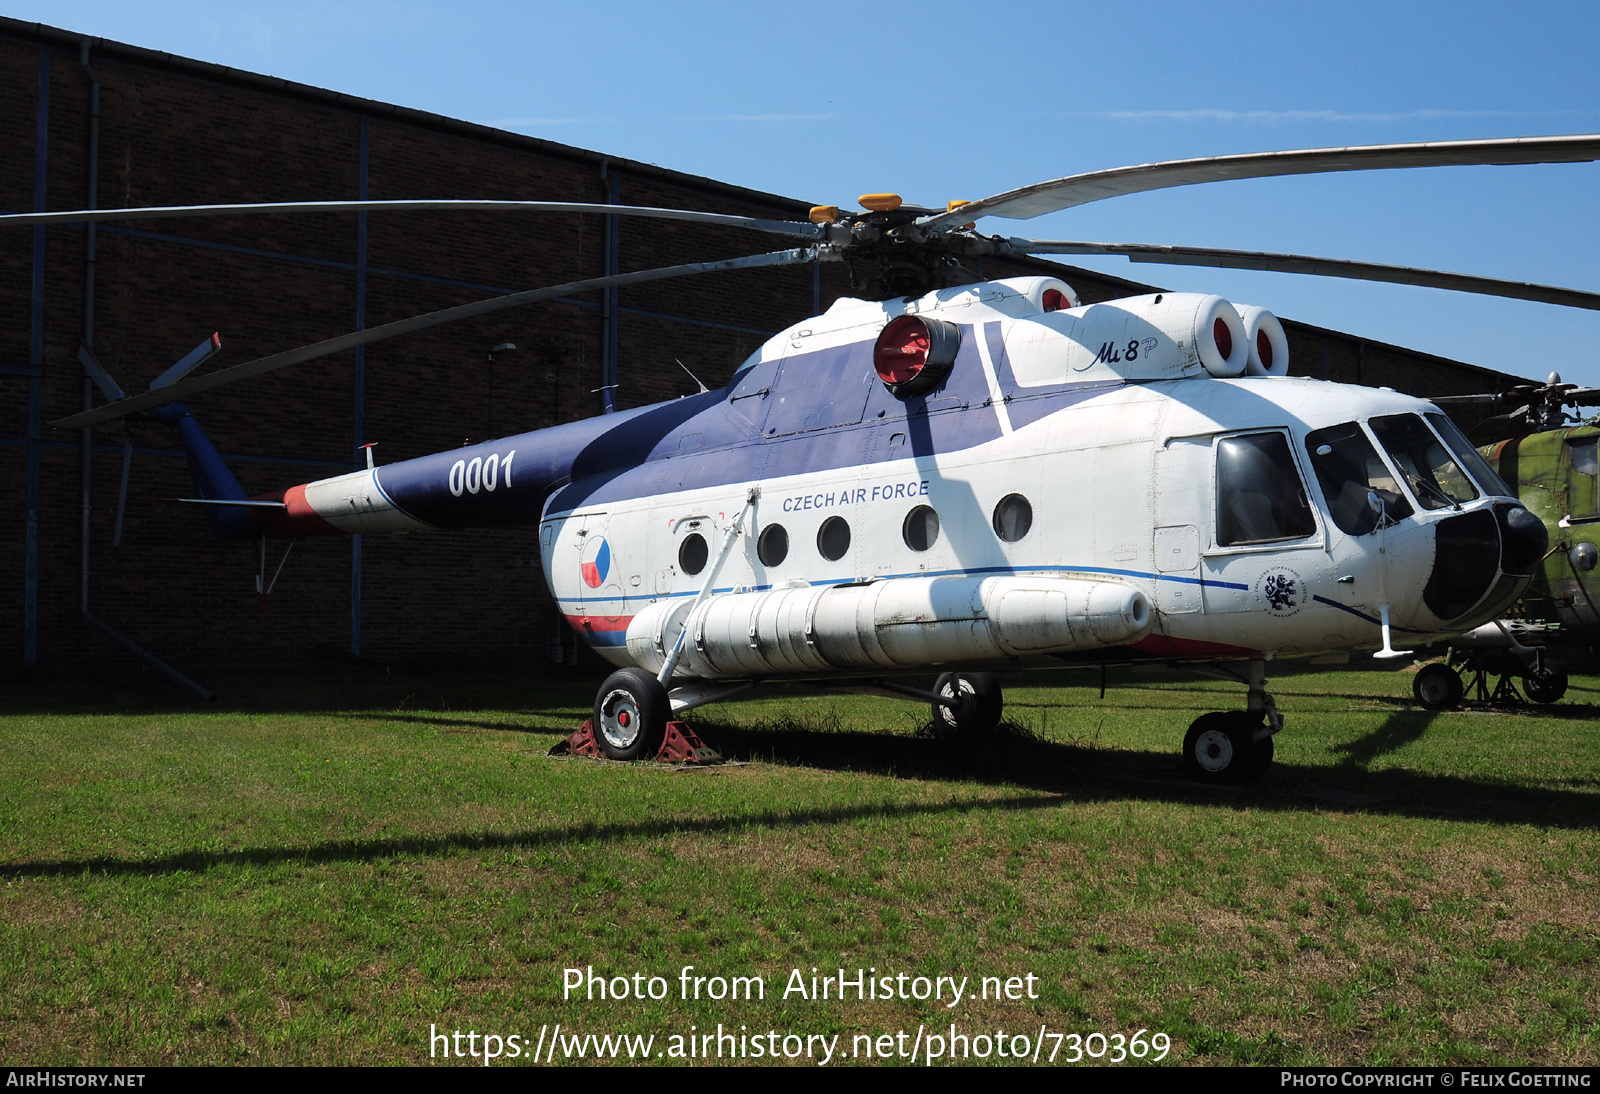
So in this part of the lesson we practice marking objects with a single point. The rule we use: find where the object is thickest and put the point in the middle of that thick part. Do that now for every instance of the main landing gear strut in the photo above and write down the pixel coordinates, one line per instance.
(1235, 746)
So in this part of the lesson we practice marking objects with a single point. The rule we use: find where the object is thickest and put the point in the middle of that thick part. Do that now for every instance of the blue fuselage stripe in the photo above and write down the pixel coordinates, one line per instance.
(973, 572)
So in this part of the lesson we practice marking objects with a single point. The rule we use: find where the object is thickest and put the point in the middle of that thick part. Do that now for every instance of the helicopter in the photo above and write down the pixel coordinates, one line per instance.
(956, 476)
(1547, 455)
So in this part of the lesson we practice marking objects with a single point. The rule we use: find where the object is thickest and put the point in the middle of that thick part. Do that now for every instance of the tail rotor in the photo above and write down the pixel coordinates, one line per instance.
(114, 393)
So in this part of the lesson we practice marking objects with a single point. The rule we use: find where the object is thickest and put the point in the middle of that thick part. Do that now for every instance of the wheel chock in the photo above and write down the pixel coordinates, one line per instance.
(680, 745)
(581, 743)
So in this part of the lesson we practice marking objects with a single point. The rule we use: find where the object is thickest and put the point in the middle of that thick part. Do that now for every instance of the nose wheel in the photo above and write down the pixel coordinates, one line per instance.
(631, 712)
(1235, 746)
(1221, 747)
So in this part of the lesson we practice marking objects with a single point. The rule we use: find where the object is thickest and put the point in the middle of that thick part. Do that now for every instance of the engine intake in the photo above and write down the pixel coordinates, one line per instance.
(1264, 337)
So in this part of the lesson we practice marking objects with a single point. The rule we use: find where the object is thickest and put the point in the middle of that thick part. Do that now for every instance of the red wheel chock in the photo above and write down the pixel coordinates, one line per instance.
(679, 746)
(581, 743)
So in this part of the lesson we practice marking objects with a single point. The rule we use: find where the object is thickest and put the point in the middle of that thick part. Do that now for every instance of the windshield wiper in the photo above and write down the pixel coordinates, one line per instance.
(1436, 491)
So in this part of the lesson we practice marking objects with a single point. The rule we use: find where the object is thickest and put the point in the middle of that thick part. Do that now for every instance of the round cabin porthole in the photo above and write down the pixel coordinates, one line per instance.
(833, 539)
(920, 529)
(692, 553)
(1013, 516)
(773, 546)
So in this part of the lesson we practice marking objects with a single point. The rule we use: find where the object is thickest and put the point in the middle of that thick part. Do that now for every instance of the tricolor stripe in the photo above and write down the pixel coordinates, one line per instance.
(601, 630)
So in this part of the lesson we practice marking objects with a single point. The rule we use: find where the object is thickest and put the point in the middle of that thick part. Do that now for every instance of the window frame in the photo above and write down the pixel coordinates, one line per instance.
(1317, 540)
(1483, 487)
(1418, 508)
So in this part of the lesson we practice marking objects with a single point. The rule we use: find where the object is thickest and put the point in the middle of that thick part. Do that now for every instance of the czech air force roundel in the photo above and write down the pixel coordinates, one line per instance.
(596, 559)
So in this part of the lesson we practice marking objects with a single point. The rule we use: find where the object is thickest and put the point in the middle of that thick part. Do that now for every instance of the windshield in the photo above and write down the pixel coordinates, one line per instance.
(1349, 469)
(1435, 479)
(1259, 495)
(1470, 457)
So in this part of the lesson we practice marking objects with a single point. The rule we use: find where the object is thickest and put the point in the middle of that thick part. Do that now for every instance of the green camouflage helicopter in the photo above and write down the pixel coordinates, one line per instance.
(1548, 457)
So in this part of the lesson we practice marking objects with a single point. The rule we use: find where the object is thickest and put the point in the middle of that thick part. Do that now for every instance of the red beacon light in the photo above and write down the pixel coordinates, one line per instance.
(914, 354)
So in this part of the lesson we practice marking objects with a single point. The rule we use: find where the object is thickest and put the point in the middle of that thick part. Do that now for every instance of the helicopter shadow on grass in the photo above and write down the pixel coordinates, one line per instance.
(522, 721)
(1059, 776)
(1081, 772)
(1397, 731)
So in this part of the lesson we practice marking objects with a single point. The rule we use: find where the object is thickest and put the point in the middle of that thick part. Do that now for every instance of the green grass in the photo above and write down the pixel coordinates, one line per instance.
(319, 876)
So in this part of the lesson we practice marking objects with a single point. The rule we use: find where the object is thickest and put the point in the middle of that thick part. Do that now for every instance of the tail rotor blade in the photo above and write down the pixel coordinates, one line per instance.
(122, 493)
(108, 387)
(189, 362)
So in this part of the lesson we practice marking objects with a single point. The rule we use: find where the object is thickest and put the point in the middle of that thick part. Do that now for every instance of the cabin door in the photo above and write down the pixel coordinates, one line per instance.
(1182, 510)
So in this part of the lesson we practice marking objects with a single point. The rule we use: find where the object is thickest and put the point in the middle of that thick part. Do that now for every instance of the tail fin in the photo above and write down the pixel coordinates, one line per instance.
(211, 476)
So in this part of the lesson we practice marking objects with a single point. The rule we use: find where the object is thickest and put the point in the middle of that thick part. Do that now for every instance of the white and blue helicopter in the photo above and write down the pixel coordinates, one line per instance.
(961, 479)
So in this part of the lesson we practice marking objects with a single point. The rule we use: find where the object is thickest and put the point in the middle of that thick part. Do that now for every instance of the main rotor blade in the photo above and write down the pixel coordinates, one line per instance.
(165, 212)
(195, 384)
(1466, 400)
(1065, 193)
(1321, 267)
(1577, 396)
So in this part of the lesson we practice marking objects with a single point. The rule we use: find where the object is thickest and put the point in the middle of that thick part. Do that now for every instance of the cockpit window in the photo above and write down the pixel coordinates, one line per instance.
(1349, 470)
(1436, 480)
(1470, 457)
(1260, 498)
(1583, 495)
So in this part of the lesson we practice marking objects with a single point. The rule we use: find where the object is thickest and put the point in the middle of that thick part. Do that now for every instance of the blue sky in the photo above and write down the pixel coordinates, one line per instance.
(938, 100)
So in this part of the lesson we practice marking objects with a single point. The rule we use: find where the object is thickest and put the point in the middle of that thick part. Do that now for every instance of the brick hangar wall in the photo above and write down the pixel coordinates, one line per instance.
(178, 132)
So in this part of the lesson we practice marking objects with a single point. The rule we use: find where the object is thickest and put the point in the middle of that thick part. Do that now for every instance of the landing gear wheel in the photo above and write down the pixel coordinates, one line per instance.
(1545, 686)
(1438, 687)
(1260, 761)
(1220, 747)
(979, 707)
(631, 713)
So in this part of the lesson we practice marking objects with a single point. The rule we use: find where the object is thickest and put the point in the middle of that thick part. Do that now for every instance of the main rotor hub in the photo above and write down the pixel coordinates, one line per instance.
(889, 258)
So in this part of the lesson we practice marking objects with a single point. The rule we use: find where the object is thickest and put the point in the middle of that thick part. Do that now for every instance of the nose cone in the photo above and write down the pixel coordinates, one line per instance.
(1523, 539)
(1466, 560)
(1473, 550)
